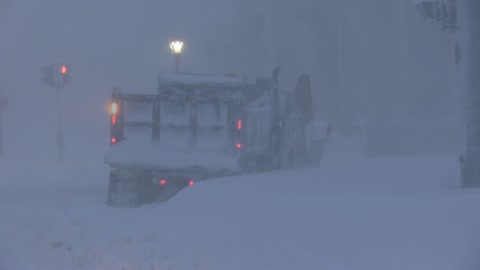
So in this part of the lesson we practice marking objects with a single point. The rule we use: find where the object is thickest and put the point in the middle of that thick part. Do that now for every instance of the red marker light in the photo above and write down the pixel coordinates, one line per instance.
(191, 183)
(239, 124)
(64, 69)
(239, 146)
(114, 140)
(163, 182)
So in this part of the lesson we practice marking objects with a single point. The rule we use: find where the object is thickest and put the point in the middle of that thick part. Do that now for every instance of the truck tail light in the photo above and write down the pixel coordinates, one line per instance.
(191, 183)
(114, 120)
(239, 146)
(163, 182)
(113, 140)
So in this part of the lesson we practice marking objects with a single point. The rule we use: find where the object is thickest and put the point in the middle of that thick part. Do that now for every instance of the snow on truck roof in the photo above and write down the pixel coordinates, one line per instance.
(198, 80)
(187, 81)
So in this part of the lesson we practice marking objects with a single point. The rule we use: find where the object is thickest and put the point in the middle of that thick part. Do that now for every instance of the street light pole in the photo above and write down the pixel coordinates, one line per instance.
(176, 47)
(177, 62)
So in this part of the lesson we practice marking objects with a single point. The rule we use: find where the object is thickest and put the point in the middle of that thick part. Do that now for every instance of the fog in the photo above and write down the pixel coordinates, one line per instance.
(375, 65)
(380, 74)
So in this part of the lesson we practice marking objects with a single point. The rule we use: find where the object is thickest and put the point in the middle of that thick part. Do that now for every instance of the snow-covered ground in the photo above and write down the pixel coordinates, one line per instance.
(399, 213)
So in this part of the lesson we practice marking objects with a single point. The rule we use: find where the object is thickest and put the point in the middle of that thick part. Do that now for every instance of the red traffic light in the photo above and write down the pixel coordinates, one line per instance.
(239, 124)
(64, 69)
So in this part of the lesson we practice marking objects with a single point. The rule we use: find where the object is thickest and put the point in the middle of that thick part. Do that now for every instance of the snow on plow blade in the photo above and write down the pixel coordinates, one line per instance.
(133, 187)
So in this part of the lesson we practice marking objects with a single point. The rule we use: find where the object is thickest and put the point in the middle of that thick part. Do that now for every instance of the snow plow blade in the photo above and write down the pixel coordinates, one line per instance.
(133, 186)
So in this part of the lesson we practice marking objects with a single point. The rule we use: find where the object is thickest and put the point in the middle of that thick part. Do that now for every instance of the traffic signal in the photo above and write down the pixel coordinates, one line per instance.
(56, 76)
(64, 70)
(64, 75)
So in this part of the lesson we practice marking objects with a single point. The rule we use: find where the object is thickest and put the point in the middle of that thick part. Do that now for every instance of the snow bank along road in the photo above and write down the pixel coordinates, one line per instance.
(362, 214)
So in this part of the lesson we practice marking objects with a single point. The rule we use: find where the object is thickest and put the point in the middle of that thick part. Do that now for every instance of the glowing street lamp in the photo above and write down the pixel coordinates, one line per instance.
(176, 46)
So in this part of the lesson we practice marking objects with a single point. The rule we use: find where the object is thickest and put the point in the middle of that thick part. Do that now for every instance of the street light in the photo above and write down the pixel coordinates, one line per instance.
(176, 46)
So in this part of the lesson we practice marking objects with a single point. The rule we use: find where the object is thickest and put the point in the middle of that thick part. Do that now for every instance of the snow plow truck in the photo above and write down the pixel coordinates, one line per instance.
(195, 127)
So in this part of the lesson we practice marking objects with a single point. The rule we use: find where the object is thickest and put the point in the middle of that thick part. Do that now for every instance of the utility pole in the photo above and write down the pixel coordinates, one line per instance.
(470, 82)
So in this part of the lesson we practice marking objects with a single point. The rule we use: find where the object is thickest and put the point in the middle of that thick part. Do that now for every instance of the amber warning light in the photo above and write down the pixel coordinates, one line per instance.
(113, 108)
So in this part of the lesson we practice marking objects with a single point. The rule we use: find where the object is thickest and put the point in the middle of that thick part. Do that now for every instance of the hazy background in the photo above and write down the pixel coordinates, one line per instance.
(380, 73)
